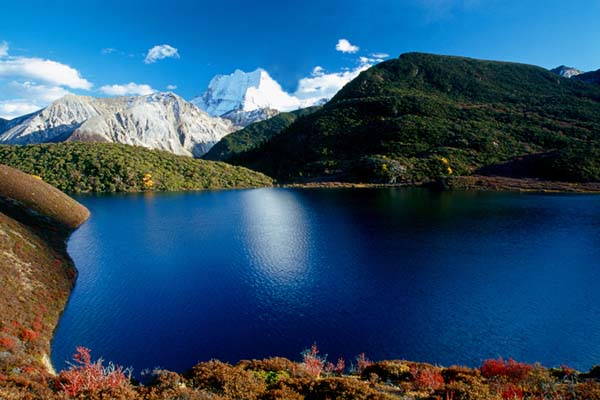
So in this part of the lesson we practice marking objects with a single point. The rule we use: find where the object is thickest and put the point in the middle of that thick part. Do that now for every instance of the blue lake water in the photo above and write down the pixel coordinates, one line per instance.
(450, 278)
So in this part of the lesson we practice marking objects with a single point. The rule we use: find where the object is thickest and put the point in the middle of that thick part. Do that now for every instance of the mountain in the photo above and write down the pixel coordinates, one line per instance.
(425, 117)
(244, 118)
(566, 72)
(159, 121)
(590, 77)
(254, 135)
(244, 91)
(111, 167)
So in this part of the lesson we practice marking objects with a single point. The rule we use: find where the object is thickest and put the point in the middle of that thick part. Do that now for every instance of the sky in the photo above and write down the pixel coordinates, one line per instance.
(129, 47)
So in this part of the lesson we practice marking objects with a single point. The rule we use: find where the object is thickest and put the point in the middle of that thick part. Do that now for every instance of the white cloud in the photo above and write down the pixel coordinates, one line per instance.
(3, 49)
(171, 87)
(345, 46)
(130, 88)
(318, 71)
(380, 56)
(160, 52)
(46, 71)
(323, 85)
(108, 50)
(31, 91)
(10, 109)
(28, 84)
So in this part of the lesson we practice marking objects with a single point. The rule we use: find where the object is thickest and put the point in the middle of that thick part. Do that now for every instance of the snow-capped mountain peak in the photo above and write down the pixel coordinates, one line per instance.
(244, 91)
(566, 72)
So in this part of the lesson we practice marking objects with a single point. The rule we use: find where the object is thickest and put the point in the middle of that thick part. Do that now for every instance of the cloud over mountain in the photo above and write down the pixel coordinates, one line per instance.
(160, 52)
(30, 83)
(130, 88)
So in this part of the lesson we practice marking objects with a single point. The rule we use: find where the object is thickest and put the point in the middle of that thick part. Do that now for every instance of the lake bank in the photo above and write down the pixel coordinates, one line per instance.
(36, 272)
(470, 182)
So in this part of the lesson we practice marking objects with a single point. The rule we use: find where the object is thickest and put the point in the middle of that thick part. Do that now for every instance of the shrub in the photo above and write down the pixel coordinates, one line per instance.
(510, 369)
(589, 390)
(459, 373)
(337, 368)
(392, 371)
(227, 380)
(7, 343)
(275, 364)
(85, 376)
(312, 362)
(29, 335)
(426, 378)
(284, 392)
(474, 390)
(271, 377)
(335, 388)
(362, 362)
(512, 392)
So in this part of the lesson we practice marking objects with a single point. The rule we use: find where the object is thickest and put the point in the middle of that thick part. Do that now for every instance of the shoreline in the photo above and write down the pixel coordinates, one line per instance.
(471, 182)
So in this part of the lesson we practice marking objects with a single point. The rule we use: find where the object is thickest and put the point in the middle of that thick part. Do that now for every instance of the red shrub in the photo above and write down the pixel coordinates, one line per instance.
(85, 375)
(567, 371)
(337, 368)
(7, 343)
(512, 392)
(37, 325)
(29, 335)
(362, 362)
(312, 362)
(511, 370)
(340, 366)
(426, 378)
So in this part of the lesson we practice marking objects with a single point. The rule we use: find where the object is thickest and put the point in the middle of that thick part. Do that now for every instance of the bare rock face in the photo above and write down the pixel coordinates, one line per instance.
(161, 121)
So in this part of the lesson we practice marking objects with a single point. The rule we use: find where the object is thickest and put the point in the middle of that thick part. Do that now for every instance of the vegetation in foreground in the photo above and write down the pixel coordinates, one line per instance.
(108, 167)
(424, 117)
(36, 273)
(312, 378)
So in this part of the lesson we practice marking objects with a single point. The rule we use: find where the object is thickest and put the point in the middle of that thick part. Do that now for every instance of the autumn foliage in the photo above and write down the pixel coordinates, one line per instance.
(7, 343)
(312, 362)
(510, 370)
(85, 376)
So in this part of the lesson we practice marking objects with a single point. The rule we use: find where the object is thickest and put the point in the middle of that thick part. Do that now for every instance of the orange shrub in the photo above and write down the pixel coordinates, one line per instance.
(29, 335)
(7, 343)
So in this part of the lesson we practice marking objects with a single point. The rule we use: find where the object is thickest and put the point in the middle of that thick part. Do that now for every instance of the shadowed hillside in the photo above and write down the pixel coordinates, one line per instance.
(253, 135)
(424, 117)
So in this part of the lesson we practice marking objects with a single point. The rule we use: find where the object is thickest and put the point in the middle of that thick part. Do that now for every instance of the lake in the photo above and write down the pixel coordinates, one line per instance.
(449, 278)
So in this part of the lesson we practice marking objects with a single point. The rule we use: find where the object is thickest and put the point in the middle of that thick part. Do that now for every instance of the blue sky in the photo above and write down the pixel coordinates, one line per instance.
(98, 47)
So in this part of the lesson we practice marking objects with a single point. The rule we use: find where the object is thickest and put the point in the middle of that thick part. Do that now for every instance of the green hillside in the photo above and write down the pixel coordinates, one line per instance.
(103, 167)
(424, 117)
(254, 135)
(589, 77)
